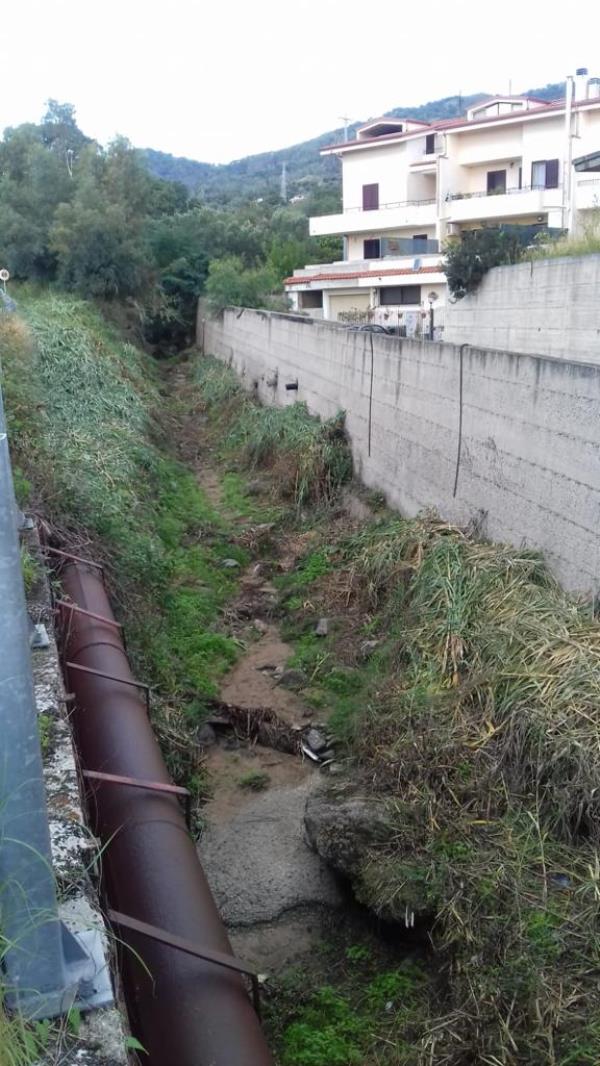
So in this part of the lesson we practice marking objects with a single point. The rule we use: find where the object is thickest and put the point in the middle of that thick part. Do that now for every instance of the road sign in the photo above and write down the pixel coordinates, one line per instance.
(4, 275)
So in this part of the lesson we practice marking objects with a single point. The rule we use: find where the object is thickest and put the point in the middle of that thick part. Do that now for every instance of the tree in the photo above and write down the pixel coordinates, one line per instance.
(98, 254)
(469, 257)
(228, 284)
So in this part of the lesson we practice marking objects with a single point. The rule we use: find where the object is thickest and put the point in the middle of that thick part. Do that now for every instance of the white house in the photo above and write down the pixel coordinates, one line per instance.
(409, 185)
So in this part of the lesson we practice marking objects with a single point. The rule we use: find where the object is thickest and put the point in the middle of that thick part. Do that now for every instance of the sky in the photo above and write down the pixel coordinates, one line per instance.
(216, 80)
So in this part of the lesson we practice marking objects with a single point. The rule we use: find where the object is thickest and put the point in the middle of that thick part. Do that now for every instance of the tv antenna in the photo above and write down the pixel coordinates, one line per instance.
(346, 119)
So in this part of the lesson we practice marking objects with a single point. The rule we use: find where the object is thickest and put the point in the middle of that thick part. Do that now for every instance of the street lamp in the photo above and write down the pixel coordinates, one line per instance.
(432, 297)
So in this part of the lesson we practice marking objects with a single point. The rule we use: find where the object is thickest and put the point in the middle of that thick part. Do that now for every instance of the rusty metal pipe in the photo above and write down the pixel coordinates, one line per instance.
(185, 1010)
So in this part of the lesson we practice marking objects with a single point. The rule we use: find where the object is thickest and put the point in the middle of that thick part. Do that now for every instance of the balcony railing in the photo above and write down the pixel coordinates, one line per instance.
(395, 246)
(388, 206)
(501, 192)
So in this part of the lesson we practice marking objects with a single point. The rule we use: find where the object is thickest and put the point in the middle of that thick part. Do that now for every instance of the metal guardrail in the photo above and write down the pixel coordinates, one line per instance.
(46, 968)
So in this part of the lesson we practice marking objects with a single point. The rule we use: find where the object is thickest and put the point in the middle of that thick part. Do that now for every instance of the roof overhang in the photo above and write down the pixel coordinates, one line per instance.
(587, 163)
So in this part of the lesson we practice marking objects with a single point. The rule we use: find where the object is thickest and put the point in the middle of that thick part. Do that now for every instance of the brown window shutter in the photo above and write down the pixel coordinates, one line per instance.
(552, 173)
(370, 197)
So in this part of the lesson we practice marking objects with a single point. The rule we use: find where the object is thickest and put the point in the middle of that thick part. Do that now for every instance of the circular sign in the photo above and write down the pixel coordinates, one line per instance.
(4, 275)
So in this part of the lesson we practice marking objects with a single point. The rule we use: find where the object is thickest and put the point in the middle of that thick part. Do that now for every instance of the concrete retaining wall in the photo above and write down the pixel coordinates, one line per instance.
(519, 435)
(546, 307)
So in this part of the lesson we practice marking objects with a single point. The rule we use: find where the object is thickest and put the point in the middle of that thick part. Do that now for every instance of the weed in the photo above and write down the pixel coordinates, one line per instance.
(310, 459)
(358, 1022)
(30, 568)
(255, 780)
(46, 727)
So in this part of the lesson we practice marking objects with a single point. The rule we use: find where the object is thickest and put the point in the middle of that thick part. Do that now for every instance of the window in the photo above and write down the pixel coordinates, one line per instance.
(430, 144)
(371, 249)
(400, 294)
(370, 197)
(313, 298)
(544, 174)
(496, 182)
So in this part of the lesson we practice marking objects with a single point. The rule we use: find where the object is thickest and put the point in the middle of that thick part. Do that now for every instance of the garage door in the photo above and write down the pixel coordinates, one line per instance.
(358, 301)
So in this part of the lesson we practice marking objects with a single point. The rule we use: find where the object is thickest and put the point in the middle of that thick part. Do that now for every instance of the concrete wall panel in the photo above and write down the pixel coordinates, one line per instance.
(529, 469)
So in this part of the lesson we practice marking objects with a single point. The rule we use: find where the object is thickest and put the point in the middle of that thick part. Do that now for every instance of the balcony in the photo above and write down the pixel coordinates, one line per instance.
(587, 193)
(363, 272)
(395, 246)
(413, 213)
(480, 206)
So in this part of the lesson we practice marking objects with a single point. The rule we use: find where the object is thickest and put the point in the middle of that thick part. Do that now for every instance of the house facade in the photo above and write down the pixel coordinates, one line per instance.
(408, 186)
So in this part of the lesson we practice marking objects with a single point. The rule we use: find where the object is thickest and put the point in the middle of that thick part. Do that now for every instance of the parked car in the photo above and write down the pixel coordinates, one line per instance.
(369, 327)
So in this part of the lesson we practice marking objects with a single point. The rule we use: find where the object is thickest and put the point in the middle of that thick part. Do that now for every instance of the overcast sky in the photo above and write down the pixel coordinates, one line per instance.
(219, 79)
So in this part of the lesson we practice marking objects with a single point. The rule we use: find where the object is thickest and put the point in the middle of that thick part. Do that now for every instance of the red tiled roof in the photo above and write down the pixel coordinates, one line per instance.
(362, 274)
(462, 123)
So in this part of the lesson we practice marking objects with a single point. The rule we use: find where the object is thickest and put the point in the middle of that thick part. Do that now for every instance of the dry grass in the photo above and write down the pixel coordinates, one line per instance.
(485, 734)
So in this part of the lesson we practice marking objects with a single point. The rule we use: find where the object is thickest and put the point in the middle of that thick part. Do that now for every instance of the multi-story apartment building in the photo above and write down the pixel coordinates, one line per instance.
(409, 185)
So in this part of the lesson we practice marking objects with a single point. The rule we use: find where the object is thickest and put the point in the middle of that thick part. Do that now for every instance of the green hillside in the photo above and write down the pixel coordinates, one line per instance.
(260, 175)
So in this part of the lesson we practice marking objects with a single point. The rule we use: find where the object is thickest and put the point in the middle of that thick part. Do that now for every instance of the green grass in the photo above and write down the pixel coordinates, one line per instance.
(367, 1017)
(238, 501)
(586, 242)
(30, 568)
(310, 459)
(85, 415)
(255, 780)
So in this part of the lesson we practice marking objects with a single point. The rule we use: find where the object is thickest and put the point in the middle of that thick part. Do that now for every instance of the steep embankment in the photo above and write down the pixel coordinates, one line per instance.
(461, 684)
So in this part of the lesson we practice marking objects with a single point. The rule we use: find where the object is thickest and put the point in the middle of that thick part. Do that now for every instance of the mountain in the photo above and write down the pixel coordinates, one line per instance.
(260, 175)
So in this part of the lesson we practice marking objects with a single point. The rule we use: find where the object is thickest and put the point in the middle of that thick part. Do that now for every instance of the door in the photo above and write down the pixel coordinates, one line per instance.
(496, 182)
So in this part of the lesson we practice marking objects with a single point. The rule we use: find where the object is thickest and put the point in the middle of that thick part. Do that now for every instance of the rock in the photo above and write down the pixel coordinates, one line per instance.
(230, 564)
(207, 736)
(293, 679)
(344, 831)
(255, 487)
(259, 625)
(367, 648)
(316, 740)
(327, 755)
(322, 628)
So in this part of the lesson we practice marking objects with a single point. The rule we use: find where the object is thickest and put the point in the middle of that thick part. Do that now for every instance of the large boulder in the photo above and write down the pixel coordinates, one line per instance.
(344, 830)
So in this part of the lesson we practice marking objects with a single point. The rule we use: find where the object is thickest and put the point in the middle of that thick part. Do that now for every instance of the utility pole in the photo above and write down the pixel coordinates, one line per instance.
(283, 189)
(568, 160)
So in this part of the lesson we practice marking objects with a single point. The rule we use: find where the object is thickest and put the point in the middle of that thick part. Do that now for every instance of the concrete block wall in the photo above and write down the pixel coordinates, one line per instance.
(518, 435)
(545, 307)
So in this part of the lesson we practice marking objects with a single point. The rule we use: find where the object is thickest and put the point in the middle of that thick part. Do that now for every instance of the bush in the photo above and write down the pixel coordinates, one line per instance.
(229, 283)
(469, 257)
(311, 458)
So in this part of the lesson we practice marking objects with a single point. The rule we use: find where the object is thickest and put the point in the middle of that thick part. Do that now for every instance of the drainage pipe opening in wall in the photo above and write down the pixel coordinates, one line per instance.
(186, 995)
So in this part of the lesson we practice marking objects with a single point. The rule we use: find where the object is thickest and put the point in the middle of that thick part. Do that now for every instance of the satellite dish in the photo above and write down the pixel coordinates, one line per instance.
(4, 275)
